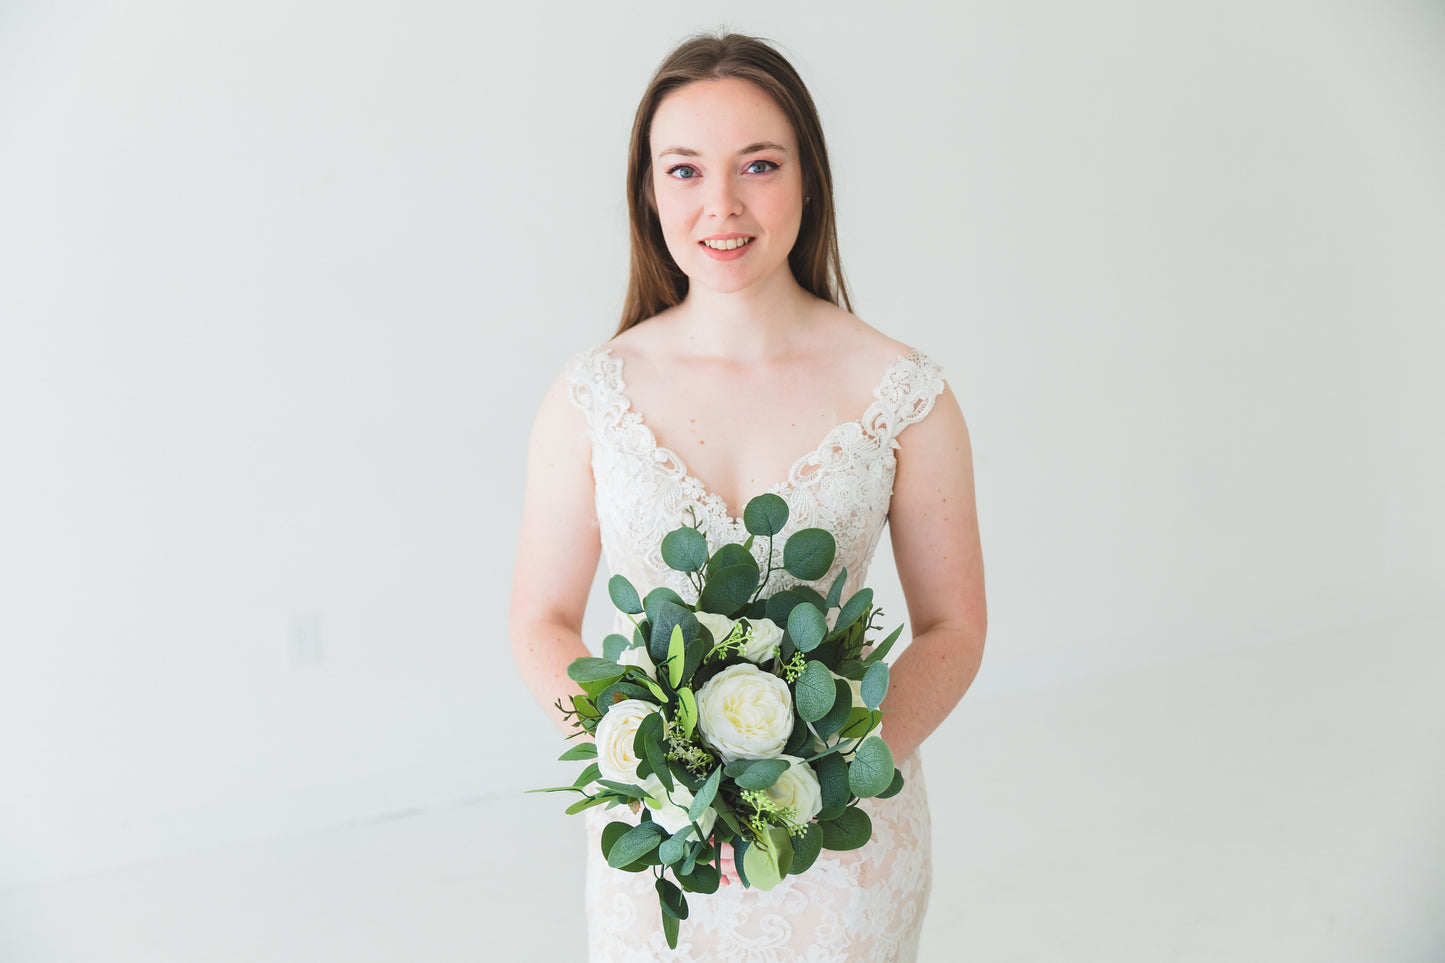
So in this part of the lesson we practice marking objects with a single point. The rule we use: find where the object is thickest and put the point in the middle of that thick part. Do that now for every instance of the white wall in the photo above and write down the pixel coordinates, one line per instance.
(281, 284)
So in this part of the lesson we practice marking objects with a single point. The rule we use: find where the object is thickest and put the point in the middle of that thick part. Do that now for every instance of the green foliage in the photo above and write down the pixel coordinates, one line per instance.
(665, 616)
(832, 774)
(808, 553)
(728, 555)
(835, 593)
(634, 844)
(765, 515)
(672, 901)
(861, 601)
(623, 595)
(849, 831)
(894, 787)
(703, 797)
(756, 773)
(686, 711)
(806, 848)
(684, 550)
(875, 684)
(781, 605)
(676, 656)
(703, 878)
(583, 750)
(647, 746)
(837, 716)
(815, 692)
(881, 650)
(590, 669)
(729, 589)
(871, 771)
(769, 859)
(806, 627)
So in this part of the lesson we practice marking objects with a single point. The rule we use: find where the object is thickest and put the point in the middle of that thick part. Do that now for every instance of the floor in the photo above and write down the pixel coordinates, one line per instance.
(1283, 804)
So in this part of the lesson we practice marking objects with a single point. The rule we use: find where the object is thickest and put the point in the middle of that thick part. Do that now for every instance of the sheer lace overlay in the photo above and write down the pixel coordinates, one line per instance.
(867, 904)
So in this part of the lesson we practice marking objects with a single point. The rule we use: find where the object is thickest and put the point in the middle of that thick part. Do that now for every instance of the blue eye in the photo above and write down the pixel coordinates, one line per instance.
(683, 172)
(766, 166)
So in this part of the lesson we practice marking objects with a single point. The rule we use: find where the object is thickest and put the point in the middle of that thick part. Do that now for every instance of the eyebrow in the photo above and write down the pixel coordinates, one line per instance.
(750, 149)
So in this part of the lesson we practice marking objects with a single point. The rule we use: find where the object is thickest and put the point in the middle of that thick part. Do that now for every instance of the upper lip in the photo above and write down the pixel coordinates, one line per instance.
(723, 237)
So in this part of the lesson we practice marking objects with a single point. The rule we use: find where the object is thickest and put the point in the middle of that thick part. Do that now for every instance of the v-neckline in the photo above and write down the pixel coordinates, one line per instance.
(779, 488)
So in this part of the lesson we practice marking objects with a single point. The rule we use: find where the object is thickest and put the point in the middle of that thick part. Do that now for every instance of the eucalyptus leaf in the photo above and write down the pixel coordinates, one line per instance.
(761, 773)
(850, 830)
(730, 554)
(583, 750)
(684, 550)
(592, 773)
(671, 900)
(857, 605)
(729, 589)
(838, 715)
(781, 604)
(670, 926)
(585, 803)
(815, 692)
(871, 770)
(766, 514)
(592, 669)
(623, 595)
(894, 787)
(835, 594)
(808, 553)
(806, 627)
(769, 859)
(674, 848)
(613, 646)
(806, 847)
(704, 878)
(633, 845)
(875, 685)
(667, 615)
(832, 773)
(611, 833)
(703, 797)
(623, 788)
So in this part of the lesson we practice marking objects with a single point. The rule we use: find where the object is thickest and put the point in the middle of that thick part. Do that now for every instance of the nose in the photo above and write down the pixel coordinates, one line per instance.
(723, 199)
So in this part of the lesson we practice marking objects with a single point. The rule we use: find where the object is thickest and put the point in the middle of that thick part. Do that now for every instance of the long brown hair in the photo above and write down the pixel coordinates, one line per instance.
(655, 281)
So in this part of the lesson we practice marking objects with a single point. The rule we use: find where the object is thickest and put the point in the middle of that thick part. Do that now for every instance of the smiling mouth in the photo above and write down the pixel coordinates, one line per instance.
(731, 244)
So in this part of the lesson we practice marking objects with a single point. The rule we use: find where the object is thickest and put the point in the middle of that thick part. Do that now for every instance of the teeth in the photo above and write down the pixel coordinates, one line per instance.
(731, 244)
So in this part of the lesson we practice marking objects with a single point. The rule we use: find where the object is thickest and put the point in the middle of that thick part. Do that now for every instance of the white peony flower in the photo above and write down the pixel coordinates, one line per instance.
(614, 735)
(745, 713)
(718, 625)
(767, 636)
(671, 814)
(798, 790)
(639, 657)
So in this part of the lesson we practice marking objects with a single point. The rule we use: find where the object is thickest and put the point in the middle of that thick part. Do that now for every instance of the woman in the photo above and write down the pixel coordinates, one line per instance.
(735, 347)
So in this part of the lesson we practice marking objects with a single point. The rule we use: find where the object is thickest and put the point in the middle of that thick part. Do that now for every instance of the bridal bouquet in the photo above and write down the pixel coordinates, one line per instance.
(744, 719)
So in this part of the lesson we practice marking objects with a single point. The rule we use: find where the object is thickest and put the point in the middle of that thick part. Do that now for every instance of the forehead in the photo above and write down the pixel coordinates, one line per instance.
(718, 116)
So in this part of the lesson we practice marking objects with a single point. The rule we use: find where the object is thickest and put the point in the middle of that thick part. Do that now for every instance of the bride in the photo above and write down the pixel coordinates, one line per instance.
(735, 371)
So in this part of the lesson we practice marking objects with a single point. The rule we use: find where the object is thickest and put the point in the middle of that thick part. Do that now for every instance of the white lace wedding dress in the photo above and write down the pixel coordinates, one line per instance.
(863, 905)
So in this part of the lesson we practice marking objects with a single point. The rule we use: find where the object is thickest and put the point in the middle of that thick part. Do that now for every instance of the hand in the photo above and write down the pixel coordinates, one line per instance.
(729, 868)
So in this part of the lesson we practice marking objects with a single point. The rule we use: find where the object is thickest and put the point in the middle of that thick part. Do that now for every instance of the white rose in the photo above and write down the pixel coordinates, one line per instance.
(857, 688)
(797, 789)
(671, 814)
(614, 735)
(718, 625)
(767, 636)
(745, 713)
(641, 658)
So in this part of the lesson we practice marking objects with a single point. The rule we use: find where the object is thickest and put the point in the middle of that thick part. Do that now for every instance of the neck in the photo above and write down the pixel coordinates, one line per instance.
(745, 326)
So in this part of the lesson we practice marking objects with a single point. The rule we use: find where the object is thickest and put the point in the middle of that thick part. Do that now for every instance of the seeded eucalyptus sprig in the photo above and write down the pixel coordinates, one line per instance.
(778, 806)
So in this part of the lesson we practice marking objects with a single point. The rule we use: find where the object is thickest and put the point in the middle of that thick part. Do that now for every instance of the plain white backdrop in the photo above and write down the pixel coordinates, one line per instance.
(282, 283)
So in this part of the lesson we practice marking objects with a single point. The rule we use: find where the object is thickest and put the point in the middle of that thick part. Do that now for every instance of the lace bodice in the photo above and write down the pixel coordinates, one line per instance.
(644, 490)
(866, 904)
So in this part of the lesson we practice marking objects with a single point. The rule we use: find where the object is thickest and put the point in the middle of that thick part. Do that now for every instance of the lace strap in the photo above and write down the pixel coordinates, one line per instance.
(906, 395)
(594, 383)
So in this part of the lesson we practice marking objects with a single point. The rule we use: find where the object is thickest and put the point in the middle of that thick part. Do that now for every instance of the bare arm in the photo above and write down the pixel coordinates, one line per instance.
(557, 554)
(934, 522)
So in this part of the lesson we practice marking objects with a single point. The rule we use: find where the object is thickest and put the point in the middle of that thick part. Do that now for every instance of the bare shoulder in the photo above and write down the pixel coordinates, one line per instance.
(852, 345)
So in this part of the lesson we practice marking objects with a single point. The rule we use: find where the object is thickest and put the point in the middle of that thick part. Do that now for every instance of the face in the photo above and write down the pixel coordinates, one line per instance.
(728, 183)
